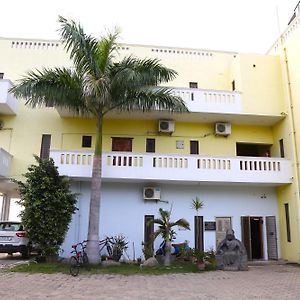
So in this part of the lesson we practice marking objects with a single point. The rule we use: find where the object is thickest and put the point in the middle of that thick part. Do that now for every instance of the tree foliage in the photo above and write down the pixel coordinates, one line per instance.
(48, 205)
(96, 84)
(166, 230)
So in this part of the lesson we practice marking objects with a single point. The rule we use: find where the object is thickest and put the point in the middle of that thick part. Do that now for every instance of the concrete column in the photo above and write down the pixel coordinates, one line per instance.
(4, 214)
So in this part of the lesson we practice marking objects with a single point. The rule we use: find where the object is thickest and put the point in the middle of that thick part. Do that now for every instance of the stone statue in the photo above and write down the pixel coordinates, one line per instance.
(231, 254)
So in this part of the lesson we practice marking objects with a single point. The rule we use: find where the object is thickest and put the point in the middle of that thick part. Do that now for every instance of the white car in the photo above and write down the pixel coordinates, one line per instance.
(13, 238)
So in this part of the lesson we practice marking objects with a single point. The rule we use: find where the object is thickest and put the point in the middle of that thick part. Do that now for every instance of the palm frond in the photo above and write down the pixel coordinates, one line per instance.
(106, 48)
(147, 99)
(142, 72)
(83, 48)
(58, 87)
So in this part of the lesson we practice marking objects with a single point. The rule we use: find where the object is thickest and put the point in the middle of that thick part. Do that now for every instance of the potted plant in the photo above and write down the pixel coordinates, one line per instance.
(119, 246)
(199, 257)
(165, 230)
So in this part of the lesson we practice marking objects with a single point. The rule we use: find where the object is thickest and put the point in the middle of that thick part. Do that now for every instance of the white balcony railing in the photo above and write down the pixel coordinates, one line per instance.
(213, 101)
(8, 103)
(189, 168)
(5, 163)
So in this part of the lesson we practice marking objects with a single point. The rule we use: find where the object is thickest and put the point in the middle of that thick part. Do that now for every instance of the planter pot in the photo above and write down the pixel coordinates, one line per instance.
(201, 266)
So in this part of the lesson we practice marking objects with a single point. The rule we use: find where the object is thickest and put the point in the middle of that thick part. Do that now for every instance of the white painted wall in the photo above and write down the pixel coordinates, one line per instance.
(123, 210)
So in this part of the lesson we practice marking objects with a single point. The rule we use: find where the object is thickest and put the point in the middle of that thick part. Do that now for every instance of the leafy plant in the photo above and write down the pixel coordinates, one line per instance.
(48, 205)
(147, 249)
(199, 255)
(197, 204)
(166, 231)
(119, 245)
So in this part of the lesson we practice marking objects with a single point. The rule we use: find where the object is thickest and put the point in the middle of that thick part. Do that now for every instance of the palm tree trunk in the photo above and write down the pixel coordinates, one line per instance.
(94, 214)
(167, 261)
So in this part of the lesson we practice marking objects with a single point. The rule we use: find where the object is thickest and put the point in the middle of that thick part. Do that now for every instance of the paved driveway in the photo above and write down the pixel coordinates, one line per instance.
(260, 282)
(6, 260)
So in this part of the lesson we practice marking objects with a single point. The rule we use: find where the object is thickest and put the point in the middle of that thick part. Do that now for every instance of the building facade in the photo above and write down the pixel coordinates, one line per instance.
(237, 149)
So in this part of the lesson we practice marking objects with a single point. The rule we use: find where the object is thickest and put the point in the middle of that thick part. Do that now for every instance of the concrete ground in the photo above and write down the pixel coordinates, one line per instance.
(260, 282)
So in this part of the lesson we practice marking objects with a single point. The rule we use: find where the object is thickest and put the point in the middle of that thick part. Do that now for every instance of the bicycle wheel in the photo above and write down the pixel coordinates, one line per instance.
(85, 259)
(74, 266)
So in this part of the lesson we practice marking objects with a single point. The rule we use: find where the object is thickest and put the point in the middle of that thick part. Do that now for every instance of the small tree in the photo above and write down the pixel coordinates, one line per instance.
(197, 204)
(48, 205)
(166, 231)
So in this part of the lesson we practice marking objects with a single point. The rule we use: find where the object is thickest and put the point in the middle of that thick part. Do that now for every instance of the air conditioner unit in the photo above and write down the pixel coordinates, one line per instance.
(222, 128)
(151, 193)
(166, 126)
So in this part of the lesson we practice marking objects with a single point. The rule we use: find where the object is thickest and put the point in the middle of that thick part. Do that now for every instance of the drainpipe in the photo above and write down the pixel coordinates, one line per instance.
(293, 138)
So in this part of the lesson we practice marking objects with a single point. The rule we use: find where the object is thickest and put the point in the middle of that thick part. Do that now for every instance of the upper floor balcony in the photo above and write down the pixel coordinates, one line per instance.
(5, 163)
(210, 101)
(8, 103)
(208, 106)
(124, 166)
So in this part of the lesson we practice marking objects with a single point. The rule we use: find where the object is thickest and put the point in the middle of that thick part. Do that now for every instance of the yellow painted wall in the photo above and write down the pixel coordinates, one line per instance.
(263, 91)
(261, 84)
(287, 49)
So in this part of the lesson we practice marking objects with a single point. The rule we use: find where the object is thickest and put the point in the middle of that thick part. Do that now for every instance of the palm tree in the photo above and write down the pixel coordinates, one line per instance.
(197, 204)
(96, 85)
(166, 231)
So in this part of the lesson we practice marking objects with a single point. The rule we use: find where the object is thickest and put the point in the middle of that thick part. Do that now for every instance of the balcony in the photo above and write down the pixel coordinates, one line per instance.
(5, 163)
(121, 166)
(210, 101)
(8, 103)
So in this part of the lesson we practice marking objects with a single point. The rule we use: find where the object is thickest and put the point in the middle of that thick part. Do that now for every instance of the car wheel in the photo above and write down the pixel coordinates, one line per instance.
(25, 253)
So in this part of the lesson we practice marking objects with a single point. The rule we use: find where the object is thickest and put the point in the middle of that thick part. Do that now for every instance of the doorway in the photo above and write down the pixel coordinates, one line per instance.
(252, 236)
(199, 244)
(222, 225)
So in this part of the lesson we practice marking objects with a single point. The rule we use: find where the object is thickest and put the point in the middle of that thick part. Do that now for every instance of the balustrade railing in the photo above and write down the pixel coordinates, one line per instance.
(133, 166)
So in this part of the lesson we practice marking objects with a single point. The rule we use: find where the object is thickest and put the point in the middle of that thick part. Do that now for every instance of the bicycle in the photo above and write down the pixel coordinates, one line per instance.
(79, 258)
(107, 242)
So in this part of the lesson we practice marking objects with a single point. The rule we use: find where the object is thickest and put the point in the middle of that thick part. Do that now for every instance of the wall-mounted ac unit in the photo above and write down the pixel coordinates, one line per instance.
(151, 193)
(222, 128)
(166, 126)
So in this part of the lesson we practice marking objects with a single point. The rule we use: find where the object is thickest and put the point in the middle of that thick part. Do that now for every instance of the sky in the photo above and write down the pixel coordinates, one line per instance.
(250, 26)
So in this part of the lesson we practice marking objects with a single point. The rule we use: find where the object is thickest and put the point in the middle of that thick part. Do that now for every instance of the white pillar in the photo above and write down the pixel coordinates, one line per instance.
(4, 214)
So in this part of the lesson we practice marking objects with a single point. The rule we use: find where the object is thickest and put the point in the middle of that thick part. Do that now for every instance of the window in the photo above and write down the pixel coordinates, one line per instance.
(86, 141)
(1, 75)
(233, 85)
(255, 150)
(287, 220)
(194, 147)
(193, 85)
(150, 145)
(122, 144)
(45, 146)
(281, 146)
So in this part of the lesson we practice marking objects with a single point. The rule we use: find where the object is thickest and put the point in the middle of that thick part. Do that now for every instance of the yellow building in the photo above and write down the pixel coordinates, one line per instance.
(237, 149)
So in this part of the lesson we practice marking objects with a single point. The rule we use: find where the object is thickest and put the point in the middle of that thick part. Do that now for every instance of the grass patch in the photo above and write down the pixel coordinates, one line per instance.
(123, 269)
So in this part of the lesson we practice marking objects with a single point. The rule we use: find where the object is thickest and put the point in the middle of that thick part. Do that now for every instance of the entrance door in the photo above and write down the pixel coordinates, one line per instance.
(252, 236)
(271, 237)
(148, 235)
(222, 225)
(199, 233)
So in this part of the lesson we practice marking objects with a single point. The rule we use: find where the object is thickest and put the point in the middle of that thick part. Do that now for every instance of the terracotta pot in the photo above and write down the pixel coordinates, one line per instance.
(201, 266)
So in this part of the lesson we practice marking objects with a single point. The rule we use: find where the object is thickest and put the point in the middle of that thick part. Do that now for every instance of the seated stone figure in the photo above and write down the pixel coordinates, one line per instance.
(231, 254)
